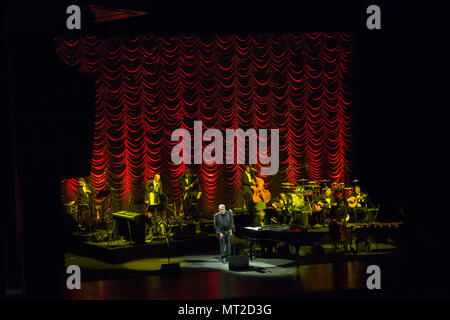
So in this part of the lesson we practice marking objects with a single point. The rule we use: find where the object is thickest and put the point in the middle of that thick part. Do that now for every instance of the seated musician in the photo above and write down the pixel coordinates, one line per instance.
(152, 202)
(282, 205)
(357, 203)
(260, 219)
(247, 182)
(323, 208)
(83, 201)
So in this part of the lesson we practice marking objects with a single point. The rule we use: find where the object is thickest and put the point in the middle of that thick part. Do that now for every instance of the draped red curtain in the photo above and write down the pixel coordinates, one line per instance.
(149, 86)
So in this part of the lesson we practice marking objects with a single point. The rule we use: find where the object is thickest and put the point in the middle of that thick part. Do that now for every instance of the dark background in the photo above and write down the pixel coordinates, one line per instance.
(399, 109)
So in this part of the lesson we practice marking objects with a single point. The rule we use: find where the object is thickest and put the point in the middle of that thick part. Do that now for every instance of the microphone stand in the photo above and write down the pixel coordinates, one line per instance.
(169, 268)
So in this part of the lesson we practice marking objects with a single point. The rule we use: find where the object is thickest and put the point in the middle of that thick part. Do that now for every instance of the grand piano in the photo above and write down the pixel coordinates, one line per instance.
(297, 235)
(292, 234)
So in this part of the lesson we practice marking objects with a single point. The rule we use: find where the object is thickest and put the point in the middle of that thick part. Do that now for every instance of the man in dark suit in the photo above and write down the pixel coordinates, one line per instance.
(152, 203)
(158, 188)
(328, 203)
(247, 182)
(186, 183)
(360, 203)
(157, 185)
(152, 197)
(83, 201)
(224, 227)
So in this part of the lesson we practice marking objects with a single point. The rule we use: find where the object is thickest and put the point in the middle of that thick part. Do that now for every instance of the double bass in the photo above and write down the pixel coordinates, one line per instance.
(259, 193)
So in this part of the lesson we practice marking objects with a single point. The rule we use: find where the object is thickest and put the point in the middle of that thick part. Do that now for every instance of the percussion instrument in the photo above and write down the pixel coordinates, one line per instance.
(297, 200)
(348, 192)
(298, 190)
(338, 185)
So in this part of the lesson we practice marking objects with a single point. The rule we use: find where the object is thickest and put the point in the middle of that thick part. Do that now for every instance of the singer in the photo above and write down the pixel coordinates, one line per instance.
(224, 227)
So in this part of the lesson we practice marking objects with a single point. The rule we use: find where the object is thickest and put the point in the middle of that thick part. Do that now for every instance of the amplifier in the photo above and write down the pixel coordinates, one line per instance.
(238, 262)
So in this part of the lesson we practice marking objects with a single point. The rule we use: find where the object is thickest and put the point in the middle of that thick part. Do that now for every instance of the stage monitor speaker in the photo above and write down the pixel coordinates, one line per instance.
(131, 225)
(238, 262)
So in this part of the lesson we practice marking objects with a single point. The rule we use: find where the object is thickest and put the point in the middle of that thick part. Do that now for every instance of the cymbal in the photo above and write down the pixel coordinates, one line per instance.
(356, 180)
(303, 180)
(287, 184)
(324, 181)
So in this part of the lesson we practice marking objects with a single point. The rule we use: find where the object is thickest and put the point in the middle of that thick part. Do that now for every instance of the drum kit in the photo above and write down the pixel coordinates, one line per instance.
(304, 192)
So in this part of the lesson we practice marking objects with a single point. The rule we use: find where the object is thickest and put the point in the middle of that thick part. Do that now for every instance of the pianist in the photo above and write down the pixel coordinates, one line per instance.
(224, 227)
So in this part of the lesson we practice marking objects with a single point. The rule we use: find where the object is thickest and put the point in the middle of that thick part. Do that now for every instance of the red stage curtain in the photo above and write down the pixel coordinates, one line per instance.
(149, 86)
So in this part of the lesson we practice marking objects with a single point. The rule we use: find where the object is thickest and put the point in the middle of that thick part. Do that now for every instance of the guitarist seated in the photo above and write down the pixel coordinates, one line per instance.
(282, 205)
(323, 206)
(358, 203)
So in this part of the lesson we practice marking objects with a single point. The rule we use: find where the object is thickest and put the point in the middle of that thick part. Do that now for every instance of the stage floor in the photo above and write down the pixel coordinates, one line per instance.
(204, 277)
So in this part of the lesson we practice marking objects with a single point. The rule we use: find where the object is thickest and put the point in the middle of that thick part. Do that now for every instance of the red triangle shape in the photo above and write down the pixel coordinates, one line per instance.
(103, 14)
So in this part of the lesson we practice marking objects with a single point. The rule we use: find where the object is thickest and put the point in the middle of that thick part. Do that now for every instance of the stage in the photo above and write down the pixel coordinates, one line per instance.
(320, 125)
(205, 277)
(303, 244)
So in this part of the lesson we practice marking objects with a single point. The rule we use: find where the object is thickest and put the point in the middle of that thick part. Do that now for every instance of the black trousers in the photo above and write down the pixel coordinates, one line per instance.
(248, 200)
(225, 244)
(84, 216)
(319, 217)
(187, 203)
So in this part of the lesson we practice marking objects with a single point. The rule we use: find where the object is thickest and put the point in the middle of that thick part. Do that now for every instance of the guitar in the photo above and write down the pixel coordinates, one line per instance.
(319, 205)
(185, 191)
(259, 193)
(352, 201)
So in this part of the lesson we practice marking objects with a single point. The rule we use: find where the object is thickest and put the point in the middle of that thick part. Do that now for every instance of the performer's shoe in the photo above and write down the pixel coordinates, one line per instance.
(223, 260)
